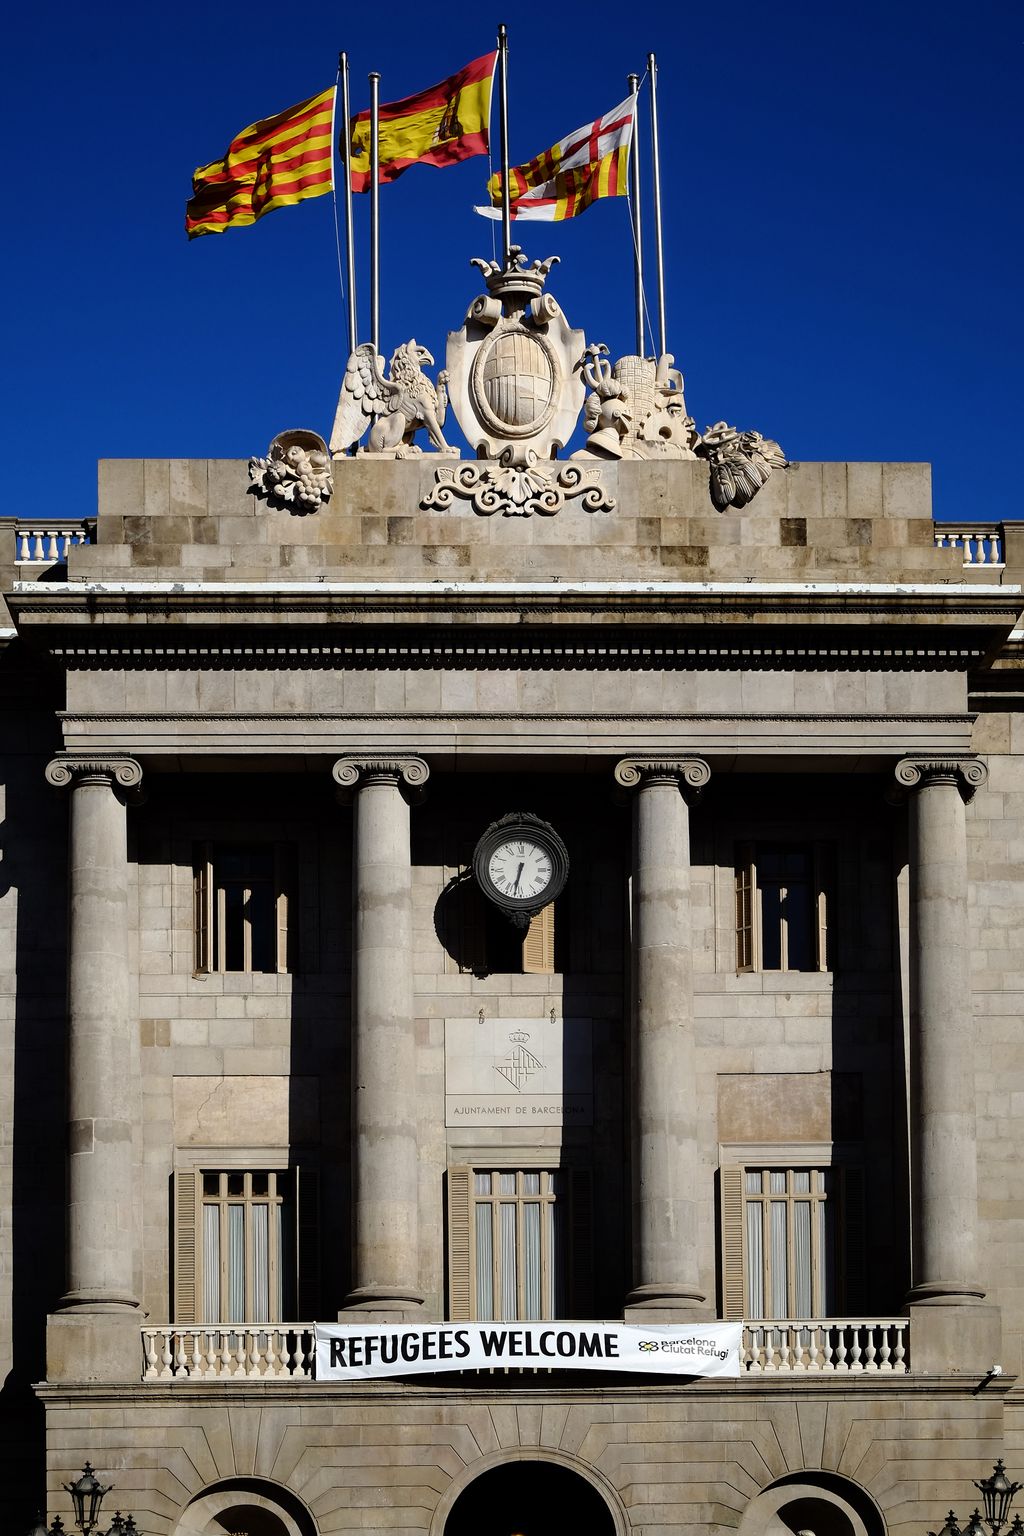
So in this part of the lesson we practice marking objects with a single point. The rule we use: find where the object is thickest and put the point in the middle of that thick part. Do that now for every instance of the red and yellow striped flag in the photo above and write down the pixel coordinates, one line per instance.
(572, 174)
(439, 126)
(271, 164)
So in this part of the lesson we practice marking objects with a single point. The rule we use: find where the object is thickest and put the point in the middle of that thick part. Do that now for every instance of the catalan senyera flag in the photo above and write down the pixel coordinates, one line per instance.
(590, 163)
(439, 126)
(270, 164)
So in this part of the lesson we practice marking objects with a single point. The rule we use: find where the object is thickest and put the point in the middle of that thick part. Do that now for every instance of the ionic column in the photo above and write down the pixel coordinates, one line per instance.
(666, 1170)
(385, 1200)
(944, 1174)
(103, 1101)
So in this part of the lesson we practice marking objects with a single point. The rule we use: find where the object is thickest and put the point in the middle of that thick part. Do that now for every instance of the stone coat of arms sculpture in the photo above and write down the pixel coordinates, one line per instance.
(514, 367)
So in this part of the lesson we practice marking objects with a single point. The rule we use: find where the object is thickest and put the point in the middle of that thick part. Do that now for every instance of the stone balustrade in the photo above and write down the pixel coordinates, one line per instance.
(192, 1351)
(982, 543)
(836, 1345)
(48, 543)
(189, 1351)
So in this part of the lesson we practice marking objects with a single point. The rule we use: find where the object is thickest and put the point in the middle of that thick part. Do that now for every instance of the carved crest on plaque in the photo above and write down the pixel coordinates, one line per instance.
(514, 367)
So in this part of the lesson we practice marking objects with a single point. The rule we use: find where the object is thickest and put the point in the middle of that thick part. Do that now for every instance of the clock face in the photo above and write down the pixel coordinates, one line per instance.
(521, 864)
(520, 868)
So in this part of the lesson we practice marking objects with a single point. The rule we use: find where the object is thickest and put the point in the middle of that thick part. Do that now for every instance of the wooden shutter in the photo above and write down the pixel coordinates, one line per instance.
(460, 1237)
(539, 943)
(581, 1243)
(202, 909)
(824, 896)
(851, 1246)
(286, 907)
(188, 1259)
(746, 908)
(731, 1258)
(307, 1245)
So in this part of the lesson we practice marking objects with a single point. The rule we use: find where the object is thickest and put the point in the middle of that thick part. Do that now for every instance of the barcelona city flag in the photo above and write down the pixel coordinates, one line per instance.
(565, 179)
(439, 126)
(270, 164)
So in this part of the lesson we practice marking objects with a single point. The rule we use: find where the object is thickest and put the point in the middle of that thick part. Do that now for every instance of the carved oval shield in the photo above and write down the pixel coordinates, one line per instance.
(515, 384)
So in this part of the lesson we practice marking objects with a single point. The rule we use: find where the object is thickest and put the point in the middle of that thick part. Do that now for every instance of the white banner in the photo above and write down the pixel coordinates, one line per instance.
(357, 1352)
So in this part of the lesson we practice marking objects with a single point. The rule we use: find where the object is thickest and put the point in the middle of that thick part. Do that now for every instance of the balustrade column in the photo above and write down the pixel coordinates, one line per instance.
(385, 1195)
(666, 1167)
(944, 1162)
(103, 1095)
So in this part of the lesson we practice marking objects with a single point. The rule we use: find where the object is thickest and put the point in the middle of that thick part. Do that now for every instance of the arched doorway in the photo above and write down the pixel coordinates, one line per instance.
(529, 1498)
(247, 1520)
(239, 1506)
(812, 1504)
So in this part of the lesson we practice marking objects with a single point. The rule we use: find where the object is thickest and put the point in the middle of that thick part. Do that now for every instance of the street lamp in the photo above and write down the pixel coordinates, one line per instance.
(87, 1494)
(997, 1494)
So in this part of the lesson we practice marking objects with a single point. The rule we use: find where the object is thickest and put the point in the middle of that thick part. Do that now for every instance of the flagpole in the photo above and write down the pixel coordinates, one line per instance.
(638, 256)
(652, 70)
(350, 254)
(506, 209)
(374, 79)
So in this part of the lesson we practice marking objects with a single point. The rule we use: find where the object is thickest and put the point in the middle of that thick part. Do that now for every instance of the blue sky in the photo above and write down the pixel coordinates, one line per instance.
(842, 195)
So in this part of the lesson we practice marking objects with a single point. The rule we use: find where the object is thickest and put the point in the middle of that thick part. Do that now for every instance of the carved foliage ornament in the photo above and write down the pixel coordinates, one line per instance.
(393, 408)
(518, 490)
(296, 472)
(741, 463)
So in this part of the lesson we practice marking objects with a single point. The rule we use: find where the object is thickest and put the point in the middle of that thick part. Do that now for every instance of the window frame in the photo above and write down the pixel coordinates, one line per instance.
(845, 1163)
(209, 905)
(749, 917)
(576, 1232)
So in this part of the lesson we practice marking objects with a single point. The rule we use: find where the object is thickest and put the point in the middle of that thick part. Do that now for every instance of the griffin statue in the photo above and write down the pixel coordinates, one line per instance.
(395, 408)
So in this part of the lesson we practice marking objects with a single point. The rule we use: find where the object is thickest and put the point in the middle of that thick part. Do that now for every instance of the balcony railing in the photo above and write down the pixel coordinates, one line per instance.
(836, 1345)
(982, 543)
(226, 1351)
(203, 1351)
(48, 543)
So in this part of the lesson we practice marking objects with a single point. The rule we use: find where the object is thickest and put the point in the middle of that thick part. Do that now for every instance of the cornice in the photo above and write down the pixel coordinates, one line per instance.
(458, 717)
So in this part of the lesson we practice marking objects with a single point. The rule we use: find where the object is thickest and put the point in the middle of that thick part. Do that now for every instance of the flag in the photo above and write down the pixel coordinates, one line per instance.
(271, 164)
(440, 126)
(560, 183)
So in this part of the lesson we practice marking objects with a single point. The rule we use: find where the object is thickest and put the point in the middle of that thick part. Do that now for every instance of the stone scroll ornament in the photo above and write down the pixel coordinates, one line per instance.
(517, 391)
(394, 408)
(296, 472)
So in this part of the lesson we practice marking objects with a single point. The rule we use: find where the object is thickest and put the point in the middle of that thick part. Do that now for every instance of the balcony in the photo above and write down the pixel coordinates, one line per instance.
(225, 1352)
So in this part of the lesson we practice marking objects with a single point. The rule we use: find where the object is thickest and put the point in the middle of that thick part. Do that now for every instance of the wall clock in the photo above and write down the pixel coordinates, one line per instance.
(521, 864)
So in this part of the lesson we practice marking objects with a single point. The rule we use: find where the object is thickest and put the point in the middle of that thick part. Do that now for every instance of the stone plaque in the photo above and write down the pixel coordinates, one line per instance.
(518, 1072)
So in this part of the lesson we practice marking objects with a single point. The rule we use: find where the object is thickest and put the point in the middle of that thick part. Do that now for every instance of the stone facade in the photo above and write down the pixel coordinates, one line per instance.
(355, 694)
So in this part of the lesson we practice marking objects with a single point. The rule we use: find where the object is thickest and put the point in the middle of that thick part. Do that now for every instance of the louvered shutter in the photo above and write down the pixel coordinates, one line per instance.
(731, 1200)
(852, 1248)
(187, 1193)
(746, 909)
(307, 1245)
(460, 1266)
(539, 943)
(581, 1244)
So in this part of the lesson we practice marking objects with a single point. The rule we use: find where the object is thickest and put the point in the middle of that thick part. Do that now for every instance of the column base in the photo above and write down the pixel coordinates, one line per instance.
(95, 1344)
(382, 1304)
(665, 1303)
(953, 1337)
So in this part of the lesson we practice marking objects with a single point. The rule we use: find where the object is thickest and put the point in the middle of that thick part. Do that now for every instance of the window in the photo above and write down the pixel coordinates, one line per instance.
(243, 893)
(782, 893)
(792, 1241)
(245, 1245)
(519, 1243)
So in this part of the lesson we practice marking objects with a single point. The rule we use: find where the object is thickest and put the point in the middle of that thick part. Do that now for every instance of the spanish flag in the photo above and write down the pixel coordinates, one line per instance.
(440, 126)
(271, 164)
(572, 174)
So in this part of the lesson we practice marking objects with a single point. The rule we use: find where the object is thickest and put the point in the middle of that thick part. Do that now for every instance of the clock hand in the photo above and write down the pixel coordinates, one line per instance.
(519, 873)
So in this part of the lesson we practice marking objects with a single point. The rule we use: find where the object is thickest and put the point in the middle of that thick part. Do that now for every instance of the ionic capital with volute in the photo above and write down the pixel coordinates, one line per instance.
(690, 774)
(405, 771)
(119, 772)
(969, 774)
